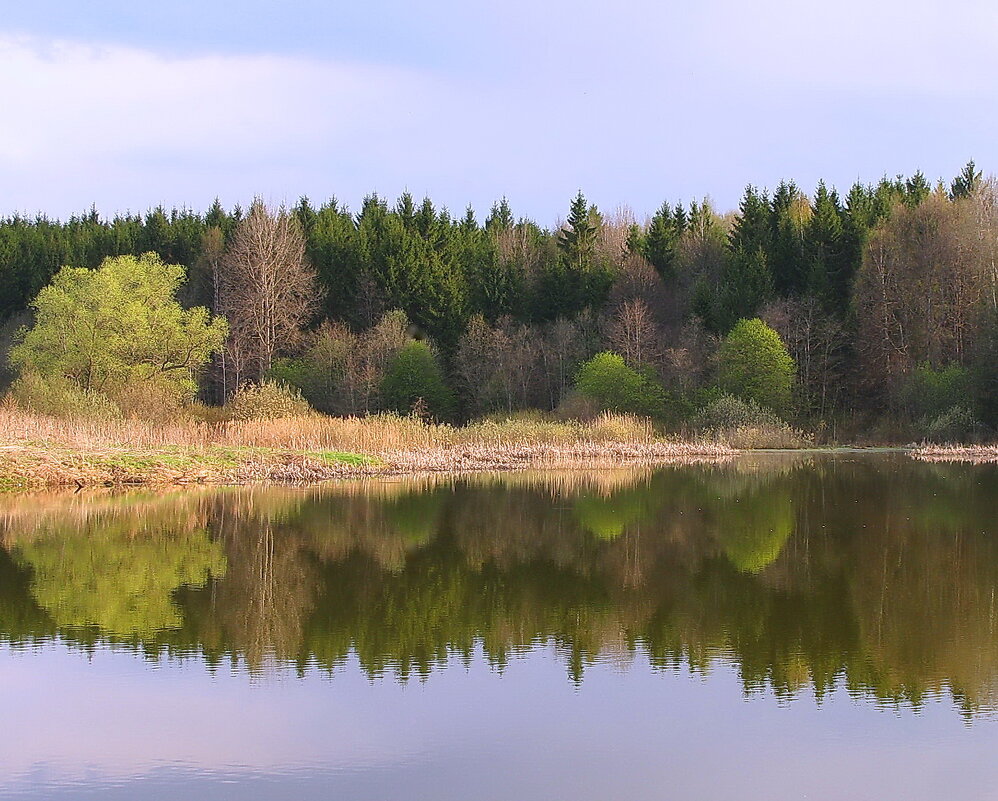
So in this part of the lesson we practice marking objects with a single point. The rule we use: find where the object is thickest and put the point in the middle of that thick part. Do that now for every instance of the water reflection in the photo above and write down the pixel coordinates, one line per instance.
(872, 572)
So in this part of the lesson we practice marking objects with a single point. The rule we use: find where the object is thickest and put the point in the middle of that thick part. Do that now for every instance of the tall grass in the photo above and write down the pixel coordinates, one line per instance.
(376, 434)
(311, 446)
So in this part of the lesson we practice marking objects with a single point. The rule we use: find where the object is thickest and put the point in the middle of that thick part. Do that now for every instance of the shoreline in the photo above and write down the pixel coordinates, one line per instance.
(30, 466)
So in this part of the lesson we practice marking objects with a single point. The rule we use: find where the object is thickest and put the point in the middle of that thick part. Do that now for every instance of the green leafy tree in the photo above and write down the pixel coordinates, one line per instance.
(413, 379)
(607, 381)
(753, 363)
(119, 325)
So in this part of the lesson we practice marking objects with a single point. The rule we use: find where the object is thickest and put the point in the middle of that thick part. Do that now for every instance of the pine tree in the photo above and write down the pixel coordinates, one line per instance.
(790, 212)
(966, 183)
(660, 241)
(916, 189)
(500, 218)
(752, 228)
(829, 274)
(578, 239)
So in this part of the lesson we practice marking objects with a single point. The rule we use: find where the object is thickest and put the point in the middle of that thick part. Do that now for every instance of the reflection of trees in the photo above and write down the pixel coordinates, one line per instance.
(807, 575)
(753, 528)
(115, 576)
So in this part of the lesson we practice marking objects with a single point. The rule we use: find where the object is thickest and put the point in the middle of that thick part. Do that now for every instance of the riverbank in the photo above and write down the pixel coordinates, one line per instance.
(39, 451)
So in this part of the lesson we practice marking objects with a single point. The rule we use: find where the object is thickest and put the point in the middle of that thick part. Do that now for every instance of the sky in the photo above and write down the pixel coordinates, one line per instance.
(126, 105)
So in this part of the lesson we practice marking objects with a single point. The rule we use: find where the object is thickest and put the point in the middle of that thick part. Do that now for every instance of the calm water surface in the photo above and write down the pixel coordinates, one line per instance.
(808, 626)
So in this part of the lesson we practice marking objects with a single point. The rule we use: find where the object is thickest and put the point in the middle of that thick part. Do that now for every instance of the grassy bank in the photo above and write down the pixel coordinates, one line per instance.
(37, 450)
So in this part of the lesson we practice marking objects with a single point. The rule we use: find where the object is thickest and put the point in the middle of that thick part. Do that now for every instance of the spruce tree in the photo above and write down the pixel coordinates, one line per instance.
(829, 274)
(660, 242)
(966, 183)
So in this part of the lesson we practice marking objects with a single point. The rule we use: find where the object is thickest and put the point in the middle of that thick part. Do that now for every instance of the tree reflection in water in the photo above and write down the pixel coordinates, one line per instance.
(806, 572)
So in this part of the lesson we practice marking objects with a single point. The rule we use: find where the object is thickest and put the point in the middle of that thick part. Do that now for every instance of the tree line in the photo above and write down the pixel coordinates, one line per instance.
(884, 300)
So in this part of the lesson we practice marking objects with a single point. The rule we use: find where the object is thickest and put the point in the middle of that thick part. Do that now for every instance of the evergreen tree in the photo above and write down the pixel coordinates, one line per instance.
(500, 218)
(966, 183)
(916, 189)
(660, 241)
(829, 272)
(790, 213)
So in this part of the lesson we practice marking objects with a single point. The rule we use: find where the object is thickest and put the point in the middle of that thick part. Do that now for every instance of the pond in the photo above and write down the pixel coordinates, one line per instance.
(817, 626)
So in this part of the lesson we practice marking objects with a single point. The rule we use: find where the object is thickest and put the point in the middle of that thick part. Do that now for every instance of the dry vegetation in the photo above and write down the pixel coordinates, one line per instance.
(974, 454)
(37, 450)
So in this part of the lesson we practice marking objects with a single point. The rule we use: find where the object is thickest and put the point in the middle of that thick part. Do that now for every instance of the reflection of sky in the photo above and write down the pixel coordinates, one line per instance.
(115, 726)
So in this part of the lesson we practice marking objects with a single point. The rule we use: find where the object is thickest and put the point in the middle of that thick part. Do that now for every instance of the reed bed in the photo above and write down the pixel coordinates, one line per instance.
(37, 450)
(973, 454)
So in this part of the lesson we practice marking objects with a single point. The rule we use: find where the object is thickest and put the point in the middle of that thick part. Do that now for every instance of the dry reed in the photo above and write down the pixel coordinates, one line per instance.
(40, 450)
(974, 454)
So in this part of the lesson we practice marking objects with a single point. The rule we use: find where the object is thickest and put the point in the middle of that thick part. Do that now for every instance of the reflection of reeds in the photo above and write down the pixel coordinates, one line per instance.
(974, 454)
(24, 515)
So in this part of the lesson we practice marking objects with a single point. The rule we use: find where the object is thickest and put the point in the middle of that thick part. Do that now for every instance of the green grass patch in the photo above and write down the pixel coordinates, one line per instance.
(343, 457)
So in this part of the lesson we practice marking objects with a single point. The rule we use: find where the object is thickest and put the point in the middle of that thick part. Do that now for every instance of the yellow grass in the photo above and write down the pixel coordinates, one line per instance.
(40, 450)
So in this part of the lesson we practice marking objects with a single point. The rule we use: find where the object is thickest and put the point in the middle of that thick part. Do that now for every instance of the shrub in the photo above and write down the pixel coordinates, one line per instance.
(58, 397)
(956, 425)
(266, 401)
(608, 382)
(931, 393)
(415, 382)
(746, 424)
(754, 364)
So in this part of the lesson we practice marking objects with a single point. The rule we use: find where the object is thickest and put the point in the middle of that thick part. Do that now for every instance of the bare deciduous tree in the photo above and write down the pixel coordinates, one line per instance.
(634, 335)
(266, 289)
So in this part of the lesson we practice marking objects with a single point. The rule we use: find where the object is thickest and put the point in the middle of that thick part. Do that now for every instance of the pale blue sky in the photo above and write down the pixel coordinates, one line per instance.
(127, 105)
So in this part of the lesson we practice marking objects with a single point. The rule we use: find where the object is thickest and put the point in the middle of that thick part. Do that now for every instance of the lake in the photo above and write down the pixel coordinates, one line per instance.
(817, 626)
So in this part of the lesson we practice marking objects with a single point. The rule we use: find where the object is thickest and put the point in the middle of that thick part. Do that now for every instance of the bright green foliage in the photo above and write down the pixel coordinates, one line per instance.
(754, 527)
(117, 579)
(414, 378)
(607, 381)
(117, 326)
(267, 400)
(928, 392)
(609, 516)
(753, 363)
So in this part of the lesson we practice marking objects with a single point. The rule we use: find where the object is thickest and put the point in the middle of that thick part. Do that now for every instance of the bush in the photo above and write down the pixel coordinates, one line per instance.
(746, 424)
(930, 393)
(754, 364)
(955, 426)
(58, 397)
(415, 382)
(266, 401)
(608, 382)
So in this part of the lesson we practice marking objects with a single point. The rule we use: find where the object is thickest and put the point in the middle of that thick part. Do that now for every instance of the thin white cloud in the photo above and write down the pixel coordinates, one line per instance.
(88, 115)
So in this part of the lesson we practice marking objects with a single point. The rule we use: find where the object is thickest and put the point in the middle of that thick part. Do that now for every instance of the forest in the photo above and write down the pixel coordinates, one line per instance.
(871, 315)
